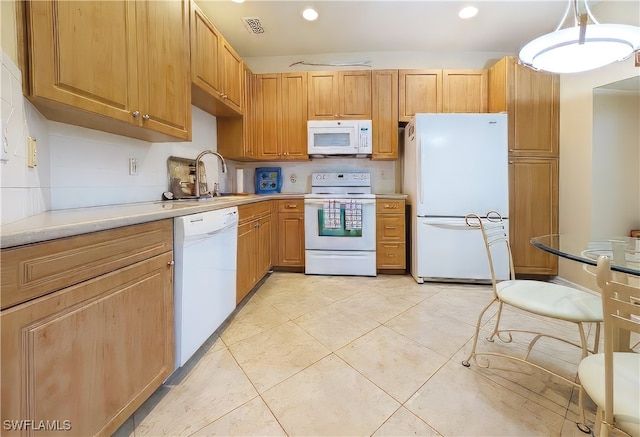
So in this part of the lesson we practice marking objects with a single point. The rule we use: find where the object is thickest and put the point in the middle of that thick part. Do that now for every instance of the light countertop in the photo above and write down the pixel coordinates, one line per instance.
(62, 223)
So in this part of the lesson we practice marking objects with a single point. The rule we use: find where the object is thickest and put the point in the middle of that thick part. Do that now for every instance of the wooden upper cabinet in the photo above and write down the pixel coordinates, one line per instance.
(419, 91)
(216, 69)
(280, 124)
(164, 67)
(531, 99)
(236, 135)
(339, 95)
(464, 91)
(267, 116)
(384, 86)
(118, 66)
(294, 115)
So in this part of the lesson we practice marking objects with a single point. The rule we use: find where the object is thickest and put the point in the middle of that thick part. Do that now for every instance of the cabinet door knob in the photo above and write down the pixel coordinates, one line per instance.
(135, 114)
(170, 263)
(145, 116)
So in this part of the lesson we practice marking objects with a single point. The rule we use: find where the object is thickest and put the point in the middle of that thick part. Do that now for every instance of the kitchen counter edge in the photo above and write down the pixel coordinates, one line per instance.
(62, 223)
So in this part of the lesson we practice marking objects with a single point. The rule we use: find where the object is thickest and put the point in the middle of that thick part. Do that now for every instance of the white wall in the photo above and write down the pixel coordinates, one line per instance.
(23, 191)
(615, 208)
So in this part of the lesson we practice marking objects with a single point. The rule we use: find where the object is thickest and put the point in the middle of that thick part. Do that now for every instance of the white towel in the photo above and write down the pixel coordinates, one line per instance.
(353, 215)
(332, 217)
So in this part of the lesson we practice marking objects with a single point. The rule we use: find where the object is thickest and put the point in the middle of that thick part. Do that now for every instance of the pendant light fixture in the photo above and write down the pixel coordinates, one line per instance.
(585, 46)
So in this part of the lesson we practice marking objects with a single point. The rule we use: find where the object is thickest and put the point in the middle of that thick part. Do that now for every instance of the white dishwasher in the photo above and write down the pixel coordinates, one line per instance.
(205, 248)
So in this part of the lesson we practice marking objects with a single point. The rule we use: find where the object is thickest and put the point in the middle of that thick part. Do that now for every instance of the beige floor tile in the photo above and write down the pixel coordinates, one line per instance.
(215, 386)
(254, 317)
(298, 301)
(336, 325)
(329, 398)
(377, 306)
(404, 287)
(405, 423)
(274, 355)
(463, 303)
(393, 362)
(436, 331)
(250, 419)
(459, 402)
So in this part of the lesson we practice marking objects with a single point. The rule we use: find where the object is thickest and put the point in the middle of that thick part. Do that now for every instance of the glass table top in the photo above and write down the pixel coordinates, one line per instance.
(624, 252)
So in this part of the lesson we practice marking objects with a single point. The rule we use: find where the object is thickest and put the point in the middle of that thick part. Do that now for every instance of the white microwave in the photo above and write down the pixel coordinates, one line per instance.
(339, 137)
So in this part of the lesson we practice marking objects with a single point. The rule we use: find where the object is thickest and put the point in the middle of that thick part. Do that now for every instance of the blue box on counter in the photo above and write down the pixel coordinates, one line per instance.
(268, 180)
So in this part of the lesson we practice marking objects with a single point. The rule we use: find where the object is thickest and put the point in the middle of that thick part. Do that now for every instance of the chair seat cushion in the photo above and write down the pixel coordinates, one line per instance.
(551, 300)
(626, 387)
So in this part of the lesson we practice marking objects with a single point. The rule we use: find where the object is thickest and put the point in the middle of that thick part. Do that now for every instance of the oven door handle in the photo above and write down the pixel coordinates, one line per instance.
(322, 201)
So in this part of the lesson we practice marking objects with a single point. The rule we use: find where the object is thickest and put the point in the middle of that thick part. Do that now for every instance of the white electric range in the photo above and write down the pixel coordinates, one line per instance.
(340, 225)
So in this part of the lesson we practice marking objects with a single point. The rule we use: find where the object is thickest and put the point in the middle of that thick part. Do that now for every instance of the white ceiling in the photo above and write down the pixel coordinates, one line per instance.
(389, 26)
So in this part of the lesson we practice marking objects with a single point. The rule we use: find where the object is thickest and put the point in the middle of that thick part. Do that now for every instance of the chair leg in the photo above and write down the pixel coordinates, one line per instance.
(582, 425)
(466, 362)
(496, 328)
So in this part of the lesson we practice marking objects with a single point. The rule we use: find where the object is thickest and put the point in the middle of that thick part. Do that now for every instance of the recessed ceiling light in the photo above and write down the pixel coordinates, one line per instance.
(238, 1)
(310, 14)
(468, 12)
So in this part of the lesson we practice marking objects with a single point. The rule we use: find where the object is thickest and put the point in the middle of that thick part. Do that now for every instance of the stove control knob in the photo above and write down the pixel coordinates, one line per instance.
(318, 177)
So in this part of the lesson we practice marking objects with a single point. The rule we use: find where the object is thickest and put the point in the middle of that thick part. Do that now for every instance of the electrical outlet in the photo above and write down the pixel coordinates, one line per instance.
(133, 166)
(32, 152)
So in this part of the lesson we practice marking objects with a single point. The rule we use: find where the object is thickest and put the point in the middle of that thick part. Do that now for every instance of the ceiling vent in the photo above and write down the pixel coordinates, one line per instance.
(253, 25)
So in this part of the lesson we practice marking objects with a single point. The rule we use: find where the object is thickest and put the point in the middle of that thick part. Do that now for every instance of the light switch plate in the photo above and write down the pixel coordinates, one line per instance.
(32, 150)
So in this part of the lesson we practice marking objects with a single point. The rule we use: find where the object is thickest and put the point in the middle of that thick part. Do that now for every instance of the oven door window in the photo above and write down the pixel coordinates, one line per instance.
(339, 222)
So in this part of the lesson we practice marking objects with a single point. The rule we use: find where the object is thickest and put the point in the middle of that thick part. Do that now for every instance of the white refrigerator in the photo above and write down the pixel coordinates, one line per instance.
(455, 164)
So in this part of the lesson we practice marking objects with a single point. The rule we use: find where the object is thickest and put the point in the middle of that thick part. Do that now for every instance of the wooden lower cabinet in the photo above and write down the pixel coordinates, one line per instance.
(290, 234)
(88, 355)
(254, 246)
(533, 204)
(390, 236)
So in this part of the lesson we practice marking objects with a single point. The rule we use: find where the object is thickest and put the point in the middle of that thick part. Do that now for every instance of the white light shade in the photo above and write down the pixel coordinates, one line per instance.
(238, 1)
(468, 12)
(560, 51)
(309, 14)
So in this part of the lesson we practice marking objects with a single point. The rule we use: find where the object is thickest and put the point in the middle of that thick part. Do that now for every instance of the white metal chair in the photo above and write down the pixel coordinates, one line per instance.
(547, 299)
(612, 379)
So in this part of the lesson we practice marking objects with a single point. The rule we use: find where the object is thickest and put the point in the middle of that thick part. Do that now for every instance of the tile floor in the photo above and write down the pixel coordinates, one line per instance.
(342, 356)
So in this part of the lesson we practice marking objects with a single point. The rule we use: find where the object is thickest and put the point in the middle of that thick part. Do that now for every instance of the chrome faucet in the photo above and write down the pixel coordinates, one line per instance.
(198, 159)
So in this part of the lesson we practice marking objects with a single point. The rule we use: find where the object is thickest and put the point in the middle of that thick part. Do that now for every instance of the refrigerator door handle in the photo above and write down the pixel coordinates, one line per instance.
(419, 164)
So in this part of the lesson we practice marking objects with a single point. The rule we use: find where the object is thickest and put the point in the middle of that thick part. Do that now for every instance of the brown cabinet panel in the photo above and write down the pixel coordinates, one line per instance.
(111, 336)
(294, 115)
(339, 95)
(164, 69)
(254, 246)
(390, 236)
(289, 238)
(267, 116)
(390, 227)
(217, 70)
(384, 111)
(464, 91)
(33, 270)
(236, 135)
(119, 66)
(419, 91)
(533, 212)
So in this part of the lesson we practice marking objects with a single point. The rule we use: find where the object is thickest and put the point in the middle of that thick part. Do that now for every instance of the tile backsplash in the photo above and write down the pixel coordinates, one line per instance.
(79, 167)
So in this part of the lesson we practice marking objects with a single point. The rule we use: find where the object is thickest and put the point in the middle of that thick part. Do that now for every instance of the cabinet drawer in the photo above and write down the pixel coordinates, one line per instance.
(37, 269)
(390, 227)
(390, 206)
(291, 205)
(390, 256)
(246, 212)
(262, 208)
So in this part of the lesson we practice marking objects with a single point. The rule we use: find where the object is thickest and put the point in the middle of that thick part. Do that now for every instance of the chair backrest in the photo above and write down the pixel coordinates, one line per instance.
(621, 310)
(495, 238)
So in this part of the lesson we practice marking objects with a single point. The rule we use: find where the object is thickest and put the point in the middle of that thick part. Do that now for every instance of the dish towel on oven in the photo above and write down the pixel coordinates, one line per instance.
(353, 215)
(332, 216)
